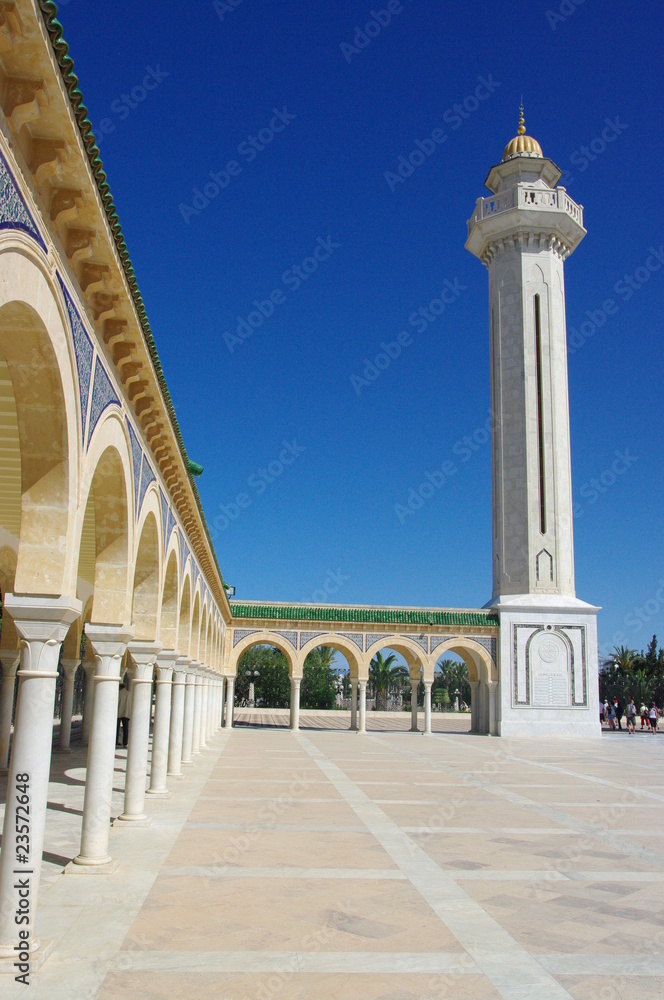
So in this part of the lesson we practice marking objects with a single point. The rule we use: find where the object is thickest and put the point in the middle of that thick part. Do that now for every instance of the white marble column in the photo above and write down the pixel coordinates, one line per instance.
(90, 667)
(188, 722)
(474, 707)
(363, 707)
(109, 643)
(69, 667)
(295, 702)
(427, 707)
(214, 713)
(198, 708)
(162, 724)
(143, 655)
(413, 705)
(230, 701)
(176, 731)
(353, 706)
(493, 698)
(42, 624)
(222, 700)
(9, 659)
(205, 707)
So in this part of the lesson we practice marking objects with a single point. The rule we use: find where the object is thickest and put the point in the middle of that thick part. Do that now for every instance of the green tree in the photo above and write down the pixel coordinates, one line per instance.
(385, 676)
(318, 679)
(272, 685)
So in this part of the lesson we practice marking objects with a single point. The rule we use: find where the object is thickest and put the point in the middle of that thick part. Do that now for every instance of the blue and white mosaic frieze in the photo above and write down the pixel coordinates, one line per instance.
(147, 477)
(83, 352)
(14, 213)
(103, 396)
(136, 458)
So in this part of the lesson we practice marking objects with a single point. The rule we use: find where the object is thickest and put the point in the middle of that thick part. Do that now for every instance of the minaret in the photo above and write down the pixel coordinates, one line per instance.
(523, 234)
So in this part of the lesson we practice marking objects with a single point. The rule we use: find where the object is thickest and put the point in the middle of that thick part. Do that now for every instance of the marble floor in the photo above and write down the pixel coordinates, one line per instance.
(325, 864)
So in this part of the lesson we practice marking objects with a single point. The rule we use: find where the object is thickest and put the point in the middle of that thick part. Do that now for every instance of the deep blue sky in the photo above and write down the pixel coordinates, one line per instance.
(333, 508)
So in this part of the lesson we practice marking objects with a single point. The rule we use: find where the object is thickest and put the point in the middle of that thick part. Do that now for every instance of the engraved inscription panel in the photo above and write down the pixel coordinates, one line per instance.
(550, 671)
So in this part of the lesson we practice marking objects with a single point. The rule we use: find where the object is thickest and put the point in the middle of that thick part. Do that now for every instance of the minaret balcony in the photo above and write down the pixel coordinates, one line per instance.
(526, 197)
(525, 207)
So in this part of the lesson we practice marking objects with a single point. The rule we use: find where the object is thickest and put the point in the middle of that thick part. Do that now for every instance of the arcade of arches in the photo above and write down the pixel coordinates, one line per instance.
(105, 556)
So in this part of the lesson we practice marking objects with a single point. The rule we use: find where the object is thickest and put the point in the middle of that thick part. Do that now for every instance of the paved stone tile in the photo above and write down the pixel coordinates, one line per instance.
(400, 867)
(277, 847)
(303, 986)
(267, 915)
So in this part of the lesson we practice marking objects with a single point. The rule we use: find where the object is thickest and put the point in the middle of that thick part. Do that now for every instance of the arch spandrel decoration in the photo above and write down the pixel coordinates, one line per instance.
(14, 212)
(83, 352)
(136, 458)
(103, 396)
(147, 477)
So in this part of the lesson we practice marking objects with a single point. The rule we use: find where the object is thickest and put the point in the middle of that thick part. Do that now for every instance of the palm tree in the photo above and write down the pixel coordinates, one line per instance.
(384, 677)
(621, 659)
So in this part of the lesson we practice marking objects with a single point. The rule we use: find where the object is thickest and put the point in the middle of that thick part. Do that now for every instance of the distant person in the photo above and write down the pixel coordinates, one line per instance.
(631, 714)
(619, 711)
(124, 711)
(605, 711)
(652, 715)
(644, 716)
(612, 717)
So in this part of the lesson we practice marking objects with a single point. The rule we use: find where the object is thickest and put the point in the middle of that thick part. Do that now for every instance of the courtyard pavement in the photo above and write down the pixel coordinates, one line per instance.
(325, 864)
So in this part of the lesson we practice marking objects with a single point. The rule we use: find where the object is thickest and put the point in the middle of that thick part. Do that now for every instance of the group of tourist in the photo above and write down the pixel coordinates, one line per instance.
(611, 713)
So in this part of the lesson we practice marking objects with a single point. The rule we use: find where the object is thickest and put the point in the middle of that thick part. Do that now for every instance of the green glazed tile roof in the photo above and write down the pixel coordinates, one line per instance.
(65, 62)
(378, 616)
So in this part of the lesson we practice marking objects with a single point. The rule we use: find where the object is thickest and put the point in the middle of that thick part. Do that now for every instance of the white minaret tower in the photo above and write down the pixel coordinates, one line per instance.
(548, 638)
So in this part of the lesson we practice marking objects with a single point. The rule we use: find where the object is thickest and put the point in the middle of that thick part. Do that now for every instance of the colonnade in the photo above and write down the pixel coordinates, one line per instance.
(188, 712)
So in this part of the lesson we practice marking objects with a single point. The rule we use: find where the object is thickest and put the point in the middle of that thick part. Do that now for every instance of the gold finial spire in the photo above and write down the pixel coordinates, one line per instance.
(522, 144)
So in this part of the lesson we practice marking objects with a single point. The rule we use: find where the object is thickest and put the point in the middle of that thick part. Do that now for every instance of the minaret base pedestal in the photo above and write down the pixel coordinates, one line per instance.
(548, 675)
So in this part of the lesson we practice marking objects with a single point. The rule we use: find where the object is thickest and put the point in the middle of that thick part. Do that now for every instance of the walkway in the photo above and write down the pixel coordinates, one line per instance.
(331, 865)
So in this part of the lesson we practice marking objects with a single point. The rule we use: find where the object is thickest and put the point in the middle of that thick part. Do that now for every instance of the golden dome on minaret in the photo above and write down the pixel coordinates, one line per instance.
(522, 143)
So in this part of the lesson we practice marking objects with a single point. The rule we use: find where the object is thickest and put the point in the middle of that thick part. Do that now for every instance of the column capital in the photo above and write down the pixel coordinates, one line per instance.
(168, 657)
(142, 652)
(9, 660)
(109, 640)
(180, 668)
(70, 665)
(164, 673)
(42, 618)
(473, 685)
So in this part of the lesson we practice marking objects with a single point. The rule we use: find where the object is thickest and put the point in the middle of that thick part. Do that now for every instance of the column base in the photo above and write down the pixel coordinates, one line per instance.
(165, 794)
(175, 775)
(92, 867)
(129, 821)
(37, 958)
(62, 749)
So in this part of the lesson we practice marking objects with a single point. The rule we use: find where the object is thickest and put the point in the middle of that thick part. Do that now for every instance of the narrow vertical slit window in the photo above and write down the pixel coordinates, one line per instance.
(540, 416)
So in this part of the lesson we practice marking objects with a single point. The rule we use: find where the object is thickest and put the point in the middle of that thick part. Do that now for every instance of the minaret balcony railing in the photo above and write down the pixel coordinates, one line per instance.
(525, 197)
